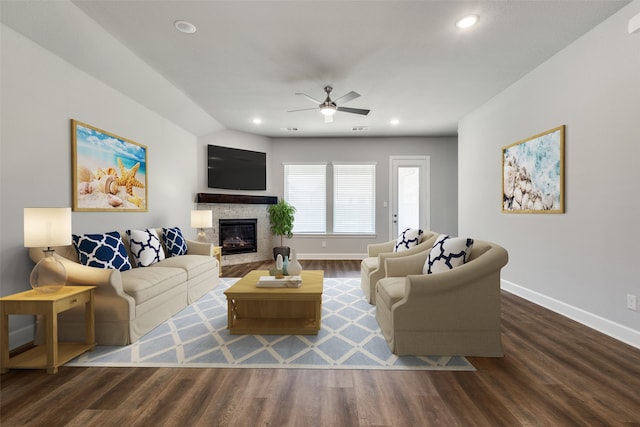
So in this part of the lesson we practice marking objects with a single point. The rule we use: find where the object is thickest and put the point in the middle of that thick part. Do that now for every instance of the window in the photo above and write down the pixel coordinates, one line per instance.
(305, 187)
(351, 192)
(354, 194)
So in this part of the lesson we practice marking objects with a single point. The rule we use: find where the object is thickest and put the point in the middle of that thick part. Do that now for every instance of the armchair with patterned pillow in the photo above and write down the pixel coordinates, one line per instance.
(444, 301)
(409, 242)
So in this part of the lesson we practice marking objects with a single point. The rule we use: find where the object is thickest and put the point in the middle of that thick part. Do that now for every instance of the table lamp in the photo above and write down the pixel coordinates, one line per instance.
(201, 220)
(47, 227)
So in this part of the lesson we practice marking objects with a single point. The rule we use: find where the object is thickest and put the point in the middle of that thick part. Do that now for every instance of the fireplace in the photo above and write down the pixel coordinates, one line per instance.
(238, 236)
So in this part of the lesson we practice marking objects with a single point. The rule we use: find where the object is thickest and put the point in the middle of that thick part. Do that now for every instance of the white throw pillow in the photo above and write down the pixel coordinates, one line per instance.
(145, 247)
(407, 239)
(447, 253)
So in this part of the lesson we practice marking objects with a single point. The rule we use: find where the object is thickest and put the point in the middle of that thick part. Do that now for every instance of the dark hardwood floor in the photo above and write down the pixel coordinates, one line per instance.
(556, 372)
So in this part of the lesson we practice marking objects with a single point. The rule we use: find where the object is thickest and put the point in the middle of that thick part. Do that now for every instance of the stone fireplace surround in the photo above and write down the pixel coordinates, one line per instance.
(234, 206)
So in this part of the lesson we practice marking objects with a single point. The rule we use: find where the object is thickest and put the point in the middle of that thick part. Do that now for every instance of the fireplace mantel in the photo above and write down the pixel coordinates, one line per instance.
(236, 198)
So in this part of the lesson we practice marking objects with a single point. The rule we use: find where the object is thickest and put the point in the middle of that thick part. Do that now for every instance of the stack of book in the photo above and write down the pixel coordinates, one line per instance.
(284, 282)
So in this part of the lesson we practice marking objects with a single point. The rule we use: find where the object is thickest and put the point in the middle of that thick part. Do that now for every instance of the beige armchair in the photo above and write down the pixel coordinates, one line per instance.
(452, 313)
(372, 267)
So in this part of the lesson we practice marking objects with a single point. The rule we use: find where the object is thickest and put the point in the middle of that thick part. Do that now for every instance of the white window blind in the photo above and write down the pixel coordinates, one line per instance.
(305, 187)
(354, 198)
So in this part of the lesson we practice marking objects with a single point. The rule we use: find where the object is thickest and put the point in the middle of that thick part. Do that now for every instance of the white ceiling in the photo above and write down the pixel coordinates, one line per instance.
(249, 58)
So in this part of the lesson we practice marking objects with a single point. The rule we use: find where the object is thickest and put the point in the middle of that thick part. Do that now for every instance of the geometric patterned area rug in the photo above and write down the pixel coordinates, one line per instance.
(197, 337)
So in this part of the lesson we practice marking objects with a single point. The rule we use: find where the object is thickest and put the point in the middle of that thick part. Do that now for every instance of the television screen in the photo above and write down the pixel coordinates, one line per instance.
(236, 169)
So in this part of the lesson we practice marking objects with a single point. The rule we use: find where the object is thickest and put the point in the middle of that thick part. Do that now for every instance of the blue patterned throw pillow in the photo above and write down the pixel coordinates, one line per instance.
(102, 251)
(145, 246)
(447, 252)
(174, 241)
(407, 239)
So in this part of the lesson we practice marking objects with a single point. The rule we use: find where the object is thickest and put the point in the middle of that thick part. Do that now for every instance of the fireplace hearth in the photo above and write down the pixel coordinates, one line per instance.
(238, 236)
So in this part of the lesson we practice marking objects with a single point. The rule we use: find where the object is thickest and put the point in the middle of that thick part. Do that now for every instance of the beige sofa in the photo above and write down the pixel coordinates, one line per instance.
(371, 267)
(451, 313)
(131, 303)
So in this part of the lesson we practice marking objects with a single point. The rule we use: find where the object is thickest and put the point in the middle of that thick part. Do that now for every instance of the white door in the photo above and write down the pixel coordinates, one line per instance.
(409, 193)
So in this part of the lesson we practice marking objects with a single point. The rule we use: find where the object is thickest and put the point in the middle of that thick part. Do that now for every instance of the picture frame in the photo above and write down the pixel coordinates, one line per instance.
(109, 171)
(533, 174)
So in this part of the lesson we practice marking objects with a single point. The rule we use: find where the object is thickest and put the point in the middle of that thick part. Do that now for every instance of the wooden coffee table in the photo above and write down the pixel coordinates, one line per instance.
(281, 311)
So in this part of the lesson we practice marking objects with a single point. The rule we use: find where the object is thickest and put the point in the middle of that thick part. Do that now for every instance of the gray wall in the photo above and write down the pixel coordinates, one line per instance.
(444, 181)
(582, 263)
(40, 95)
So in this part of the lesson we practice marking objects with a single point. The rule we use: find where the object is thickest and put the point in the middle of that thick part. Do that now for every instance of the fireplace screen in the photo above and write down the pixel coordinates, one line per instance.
(238, 236)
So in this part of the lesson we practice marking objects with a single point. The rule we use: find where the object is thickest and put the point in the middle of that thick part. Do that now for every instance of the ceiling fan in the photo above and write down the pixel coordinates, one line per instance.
(328, 107)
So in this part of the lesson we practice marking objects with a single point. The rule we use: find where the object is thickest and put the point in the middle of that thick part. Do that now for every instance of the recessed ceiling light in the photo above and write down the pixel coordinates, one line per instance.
(257, 121)
(394, 121)
(467, 21)
(185, 27)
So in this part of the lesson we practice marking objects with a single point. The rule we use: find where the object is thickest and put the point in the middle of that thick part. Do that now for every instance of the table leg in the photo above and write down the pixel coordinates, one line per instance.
(4, 345)
(51, 339)
(90, 331)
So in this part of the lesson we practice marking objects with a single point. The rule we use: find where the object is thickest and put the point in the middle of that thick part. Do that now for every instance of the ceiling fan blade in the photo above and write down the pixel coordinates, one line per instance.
(328, 119)
(347, 97)
(302, 109)
(354, 110)
(315, 101)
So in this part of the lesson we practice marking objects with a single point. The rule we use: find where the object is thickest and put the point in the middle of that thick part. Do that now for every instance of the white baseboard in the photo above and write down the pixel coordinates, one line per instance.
(333, 256)
(607, 327)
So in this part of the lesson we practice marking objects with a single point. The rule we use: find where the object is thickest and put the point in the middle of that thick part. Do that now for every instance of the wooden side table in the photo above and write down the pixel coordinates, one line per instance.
(52, 354)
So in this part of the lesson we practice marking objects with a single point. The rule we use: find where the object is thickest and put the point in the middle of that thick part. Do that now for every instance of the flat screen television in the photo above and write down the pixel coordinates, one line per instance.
(236, 169)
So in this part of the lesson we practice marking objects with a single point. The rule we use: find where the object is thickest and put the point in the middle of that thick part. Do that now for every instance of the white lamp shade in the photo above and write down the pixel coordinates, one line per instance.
(45, 227)
(201, 219)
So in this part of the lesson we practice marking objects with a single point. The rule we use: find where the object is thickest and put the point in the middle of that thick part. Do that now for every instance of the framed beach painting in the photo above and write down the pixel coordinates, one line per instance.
(109, 172)
(533, 174)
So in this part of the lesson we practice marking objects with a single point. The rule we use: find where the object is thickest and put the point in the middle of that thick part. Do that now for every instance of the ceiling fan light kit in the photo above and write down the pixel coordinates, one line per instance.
(328, 110)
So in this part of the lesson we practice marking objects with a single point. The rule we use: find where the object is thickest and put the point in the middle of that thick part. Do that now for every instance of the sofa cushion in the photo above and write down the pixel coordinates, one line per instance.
(390, 290)
(144, 284)
(145, 247)
(102, 251)
(193, 265)
(174, 241)
(407, 239)
(447, 253)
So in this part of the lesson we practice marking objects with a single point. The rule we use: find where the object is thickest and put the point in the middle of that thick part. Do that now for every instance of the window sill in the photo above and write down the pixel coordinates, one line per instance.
(336, 235)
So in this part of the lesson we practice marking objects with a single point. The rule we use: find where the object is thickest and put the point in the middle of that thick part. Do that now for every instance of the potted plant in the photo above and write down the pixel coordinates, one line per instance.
(281, 219)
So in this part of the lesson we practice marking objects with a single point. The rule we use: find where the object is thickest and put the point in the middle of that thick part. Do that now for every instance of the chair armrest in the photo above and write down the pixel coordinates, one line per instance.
(491, 262)
(422, 248)
(405, 265)
(199, 248)
(375, 249)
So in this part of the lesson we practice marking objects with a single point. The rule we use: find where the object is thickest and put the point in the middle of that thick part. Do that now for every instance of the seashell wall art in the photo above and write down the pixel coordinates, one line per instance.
(533, 174)
(109, 172)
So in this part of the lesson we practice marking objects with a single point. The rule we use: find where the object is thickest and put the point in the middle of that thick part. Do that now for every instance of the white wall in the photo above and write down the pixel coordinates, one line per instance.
(582, 263)
(444, 181)
(40, 94)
